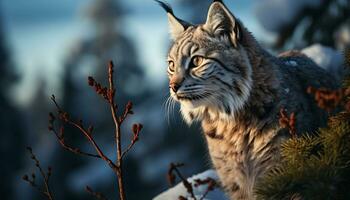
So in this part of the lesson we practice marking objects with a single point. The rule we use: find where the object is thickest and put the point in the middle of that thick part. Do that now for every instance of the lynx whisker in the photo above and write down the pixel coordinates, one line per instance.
(169, 108)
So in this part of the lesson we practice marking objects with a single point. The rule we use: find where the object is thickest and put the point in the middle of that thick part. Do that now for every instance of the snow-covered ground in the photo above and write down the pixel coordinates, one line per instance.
(327, 58)
(179, 190)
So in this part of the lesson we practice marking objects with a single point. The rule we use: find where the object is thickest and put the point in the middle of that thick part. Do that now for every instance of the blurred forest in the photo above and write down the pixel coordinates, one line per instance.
(165, 138)
(12, 135)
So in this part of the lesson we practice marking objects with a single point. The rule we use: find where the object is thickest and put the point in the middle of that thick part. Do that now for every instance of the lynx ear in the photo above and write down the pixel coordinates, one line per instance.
(221, 21)
(176, 25)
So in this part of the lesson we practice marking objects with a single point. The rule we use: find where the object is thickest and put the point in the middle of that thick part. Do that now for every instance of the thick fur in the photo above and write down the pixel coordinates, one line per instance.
(236, 94)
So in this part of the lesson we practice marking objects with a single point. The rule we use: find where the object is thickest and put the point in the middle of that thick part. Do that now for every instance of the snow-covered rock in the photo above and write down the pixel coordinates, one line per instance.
(275, 14)
(179, 190)
(327, 58)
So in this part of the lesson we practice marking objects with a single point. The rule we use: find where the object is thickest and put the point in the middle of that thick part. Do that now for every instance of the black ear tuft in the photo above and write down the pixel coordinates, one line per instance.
(176, 25)
(165, 6)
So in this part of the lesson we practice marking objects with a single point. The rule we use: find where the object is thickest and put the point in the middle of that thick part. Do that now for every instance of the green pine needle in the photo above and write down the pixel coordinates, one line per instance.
(313, 166)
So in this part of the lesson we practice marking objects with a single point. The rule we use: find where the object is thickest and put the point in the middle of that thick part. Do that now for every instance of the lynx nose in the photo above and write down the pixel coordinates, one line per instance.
(174, 87)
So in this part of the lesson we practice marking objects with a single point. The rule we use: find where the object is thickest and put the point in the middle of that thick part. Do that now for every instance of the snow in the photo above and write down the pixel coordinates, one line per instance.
(179, 190)
(287, 90)
(275, 14)
(342, 36)
(292, 63)
(327, 58)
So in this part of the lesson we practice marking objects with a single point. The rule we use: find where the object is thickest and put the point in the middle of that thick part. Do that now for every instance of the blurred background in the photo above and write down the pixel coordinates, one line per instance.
(50, 47)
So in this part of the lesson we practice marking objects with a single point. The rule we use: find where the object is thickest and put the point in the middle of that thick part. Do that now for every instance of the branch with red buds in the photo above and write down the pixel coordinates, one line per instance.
(328, 99)
(108, 94)
(136, 129)
(45, 175)
(288, 122)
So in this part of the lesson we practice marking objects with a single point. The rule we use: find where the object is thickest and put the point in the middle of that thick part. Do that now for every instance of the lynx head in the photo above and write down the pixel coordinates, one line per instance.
(208, 67)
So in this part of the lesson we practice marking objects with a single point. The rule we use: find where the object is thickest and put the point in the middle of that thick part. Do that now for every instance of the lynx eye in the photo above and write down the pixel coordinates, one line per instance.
(197, 61)
(171, 66)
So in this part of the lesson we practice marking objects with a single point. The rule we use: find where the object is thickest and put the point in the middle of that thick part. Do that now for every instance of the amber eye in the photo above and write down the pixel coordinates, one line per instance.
(171, 66)
(197, 61)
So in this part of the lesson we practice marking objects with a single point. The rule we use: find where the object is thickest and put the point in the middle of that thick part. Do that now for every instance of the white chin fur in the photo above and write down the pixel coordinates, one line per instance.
(194, 110)
(196, 113)
(193, 107)
(189, 105)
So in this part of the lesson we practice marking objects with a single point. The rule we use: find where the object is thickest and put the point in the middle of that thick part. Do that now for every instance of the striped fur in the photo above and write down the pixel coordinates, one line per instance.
(236, 92)
(219, 82)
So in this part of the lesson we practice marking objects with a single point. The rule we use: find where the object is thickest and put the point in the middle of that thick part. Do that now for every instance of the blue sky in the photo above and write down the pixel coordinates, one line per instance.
(40, 34)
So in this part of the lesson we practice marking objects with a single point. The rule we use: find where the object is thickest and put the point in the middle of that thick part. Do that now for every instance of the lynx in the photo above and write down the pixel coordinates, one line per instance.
(225, 80)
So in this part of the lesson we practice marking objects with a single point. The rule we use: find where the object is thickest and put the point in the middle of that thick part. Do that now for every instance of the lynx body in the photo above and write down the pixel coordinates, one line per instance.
(222, 78)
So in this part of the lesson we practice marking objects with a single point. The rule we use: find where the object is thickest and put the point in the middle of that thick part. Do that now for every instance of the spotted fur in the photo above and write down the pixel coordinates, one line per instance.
(222, 78)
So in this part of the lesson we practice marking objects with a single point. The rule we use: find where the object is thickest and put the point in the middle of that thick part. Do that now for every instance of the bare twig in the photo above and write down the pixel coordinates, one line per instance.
(109, 95)
(60, 135)
(45, 175)
(171, 177)
(117, 124)
(97, 195)
(208, 181)
(65, 118)
(189, 187)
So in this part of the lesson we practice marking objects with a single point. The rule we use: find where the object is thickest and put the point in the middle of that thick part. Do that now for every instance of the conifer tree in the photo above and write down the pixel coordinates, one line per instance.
(11, 131)
(326, 23)
(315, 166)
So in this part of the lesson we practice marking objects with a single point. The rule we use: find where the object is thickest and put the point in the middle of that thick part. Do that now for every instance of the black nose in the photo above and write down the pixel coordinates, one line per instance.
(174, 87)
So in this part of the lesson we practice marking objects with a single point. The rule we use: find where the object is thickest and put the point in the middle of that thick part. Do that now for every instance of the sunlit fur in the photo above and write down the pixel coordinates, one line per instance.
(237, 92)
